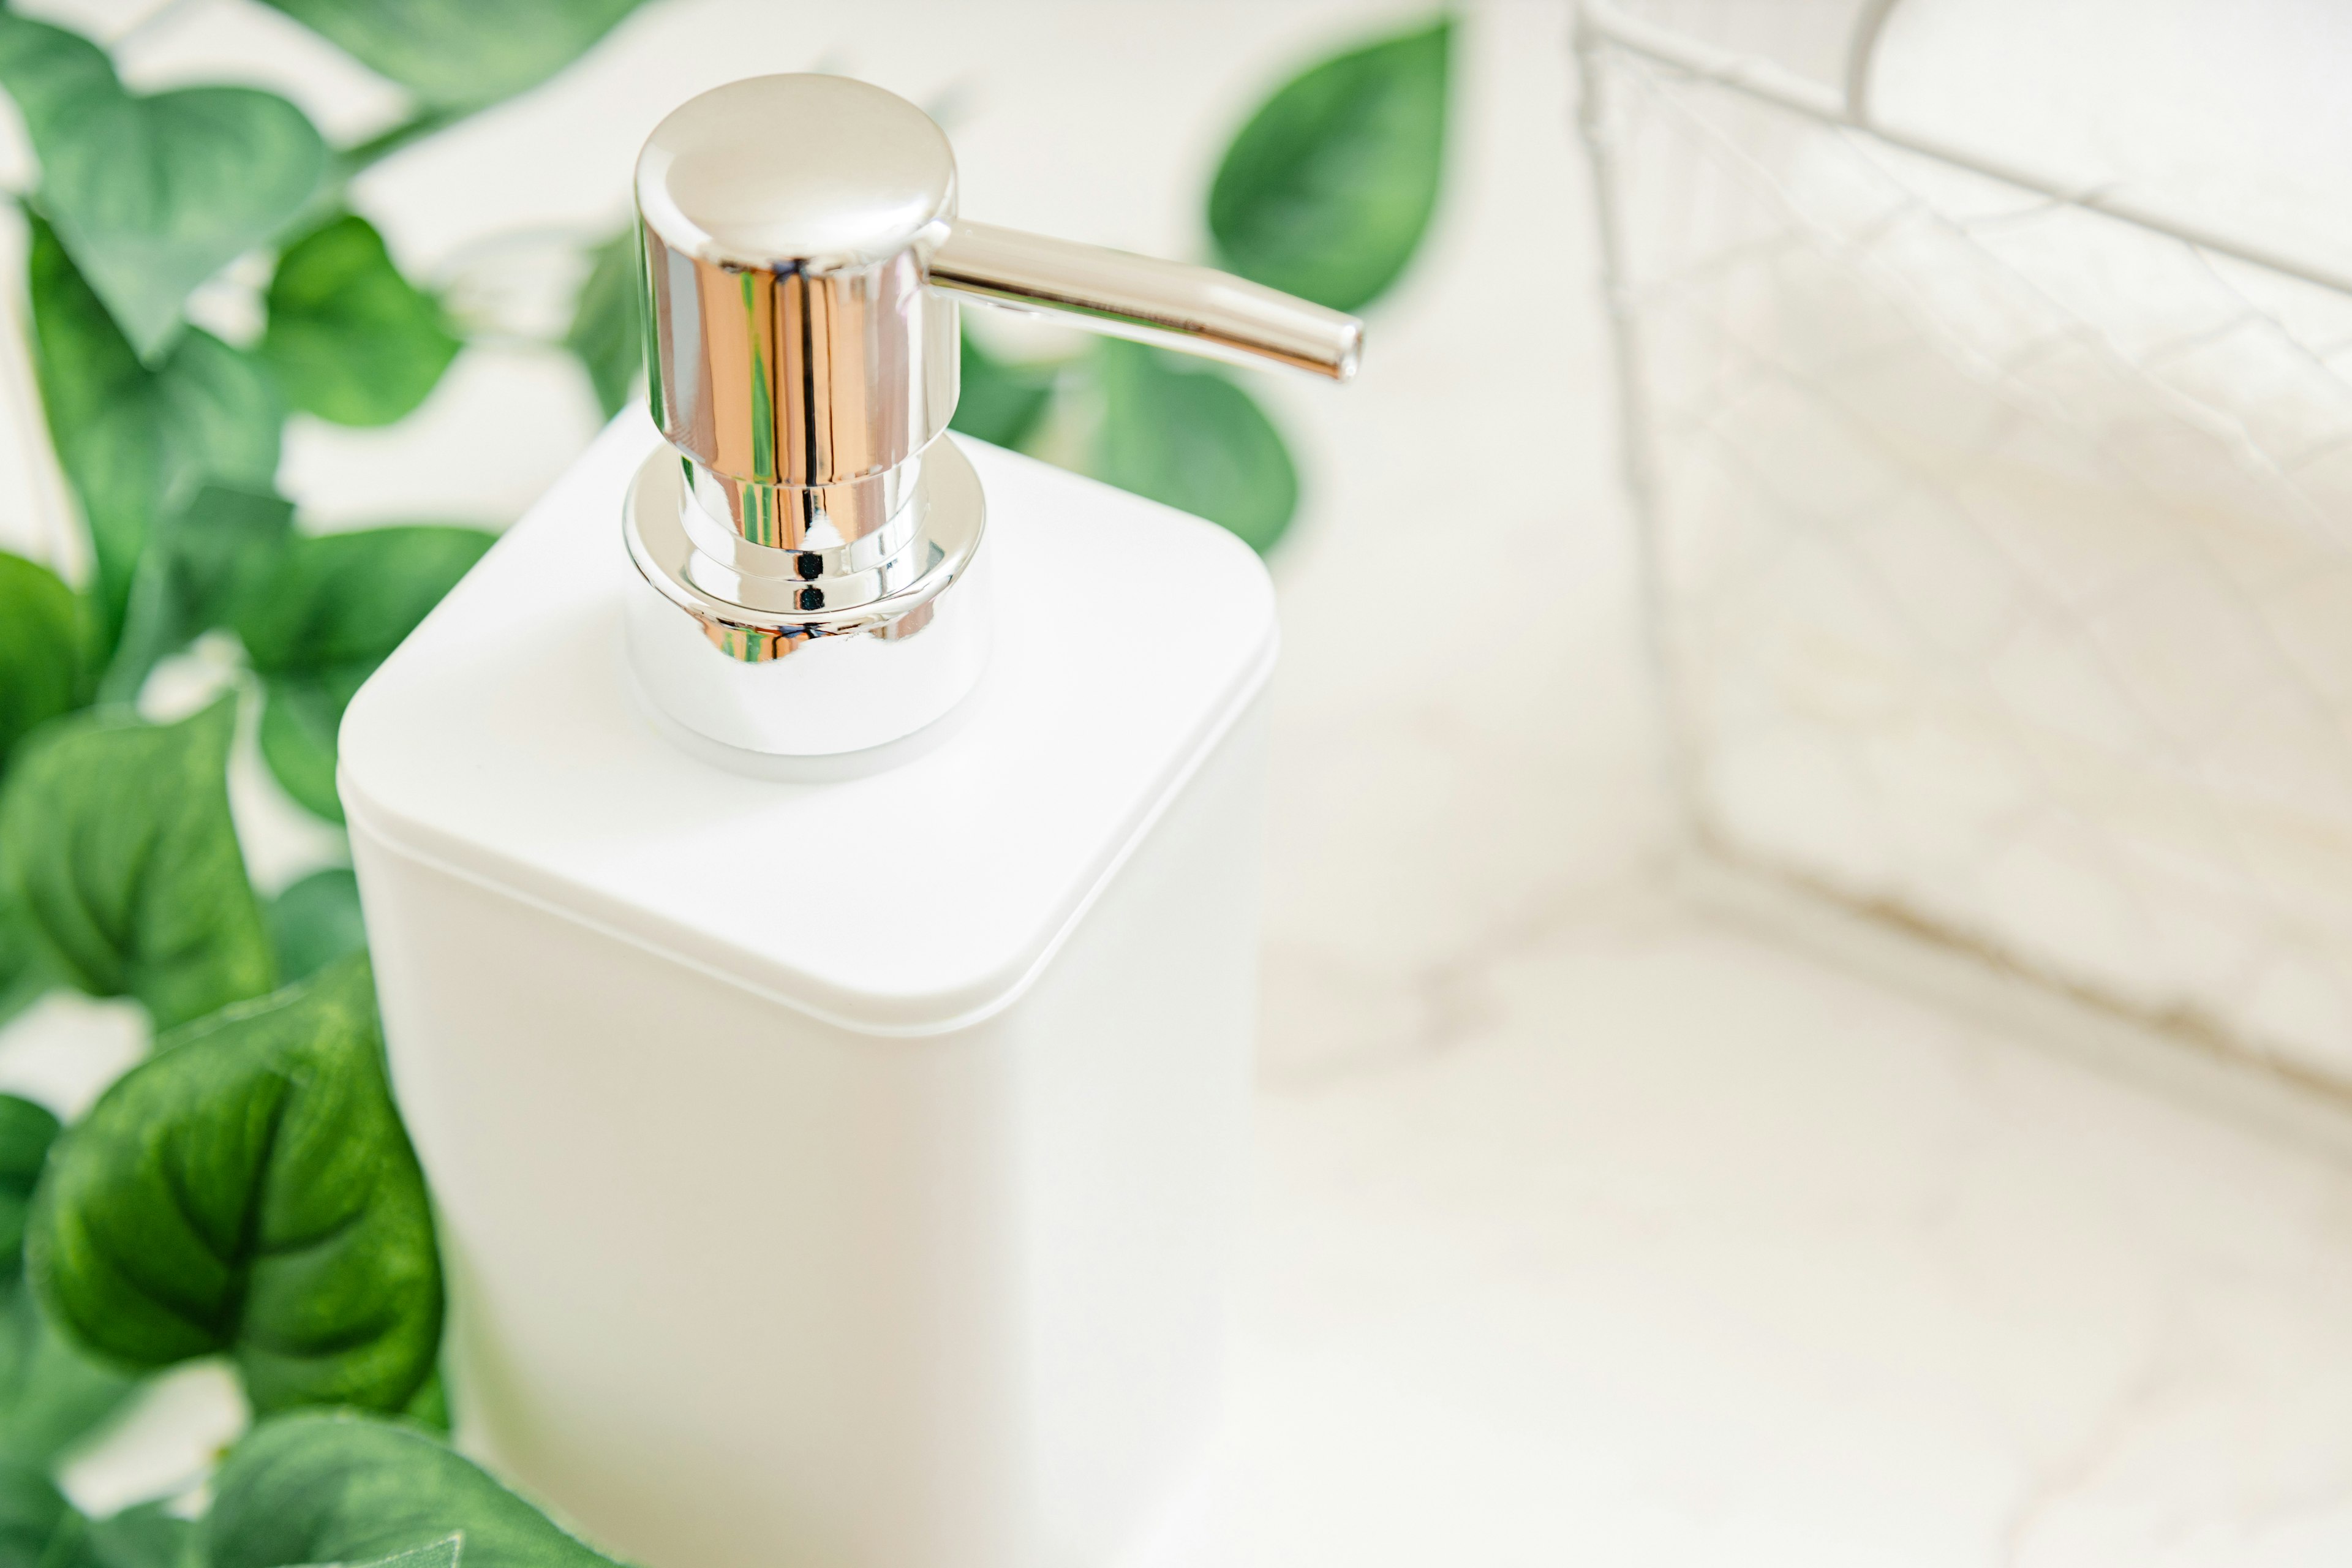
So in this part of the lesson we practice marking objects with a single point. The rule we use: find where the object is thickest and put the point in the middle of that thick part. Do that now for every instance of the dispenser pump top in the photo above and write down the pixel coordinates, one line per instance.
(807, 217)
(804, 261)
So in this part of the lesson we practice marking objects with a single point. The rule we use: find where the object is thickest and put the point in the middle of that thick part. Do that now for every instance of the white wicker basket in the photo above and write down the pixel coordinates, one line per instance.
(1999, 538)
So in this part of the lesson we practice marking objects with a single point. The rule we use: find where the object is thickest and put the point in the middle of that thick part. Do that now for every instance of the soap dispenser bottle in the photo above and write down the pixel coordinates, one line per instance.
(812, 867)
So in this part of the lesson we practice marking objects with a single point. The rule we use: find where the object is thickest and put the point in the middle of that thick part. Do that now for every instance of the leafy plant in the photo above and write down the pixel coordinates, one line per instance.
(315, 1487)
(44, 651)
(51, 1393)
(457, 54)
(1328, 190)
(605, 333)
(1326, 193)
(1184, 432)
(153, 194)
(349, 339)
(339, 1488)
(333, 608)
(248, 1192)
(136, 441)
(121, 857)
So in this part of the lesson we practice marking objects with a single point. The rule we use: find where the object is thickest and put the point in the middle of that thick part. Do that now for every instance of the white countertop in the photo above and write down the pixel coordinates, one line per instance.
(1679, 1247)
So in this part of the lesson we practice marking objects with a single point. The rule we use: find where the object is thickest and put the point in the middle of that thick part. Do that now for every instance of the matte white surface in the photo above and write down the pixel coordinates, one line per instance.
(739, 1275)
(1127, 636)
(830, 701)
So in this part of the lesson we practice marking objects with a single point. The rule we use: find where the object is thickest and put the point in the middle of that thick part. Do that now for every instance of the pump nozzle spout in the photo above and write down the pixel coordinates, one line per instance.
(1195, 308)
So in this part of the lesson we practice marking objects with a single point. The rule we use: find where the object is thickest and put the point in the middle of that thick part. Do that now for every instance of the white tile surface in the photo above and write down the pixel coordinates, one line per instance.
(1590, 1229)
(1686, 1249)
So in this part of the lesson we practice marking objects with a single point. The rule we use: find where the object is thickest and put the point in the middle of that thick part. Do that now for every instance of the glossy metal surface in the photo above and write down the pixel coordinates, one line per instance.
(1195, 308)
(765, 660)
(787, 221)
(806, 516)
(757, 605)
(803, 262)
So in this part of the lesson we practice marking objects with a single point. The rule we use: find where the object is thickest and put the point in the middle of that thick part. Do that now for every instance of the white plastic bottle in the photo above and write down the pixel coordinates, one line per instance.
(814, 906)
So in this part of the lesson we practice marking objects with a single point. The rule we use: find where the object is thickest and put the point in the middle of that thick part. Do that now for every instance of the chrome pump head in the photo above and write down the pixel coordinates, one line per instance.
(811, 542)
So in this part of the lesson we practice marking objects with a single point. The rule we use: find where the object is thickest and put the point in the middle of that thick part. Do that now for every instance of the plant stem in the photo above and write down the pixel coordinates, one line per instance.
(415, 128)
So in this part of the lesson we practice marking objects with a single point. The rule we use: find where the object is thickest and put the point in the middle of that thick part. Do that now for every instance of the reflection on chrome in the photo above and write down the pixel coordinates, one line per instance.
(803, 264)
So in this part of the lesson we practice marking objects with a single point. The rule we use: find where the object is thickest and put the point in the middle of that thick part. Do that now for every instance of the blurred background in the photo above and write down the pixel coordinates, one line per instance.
(1810, 899)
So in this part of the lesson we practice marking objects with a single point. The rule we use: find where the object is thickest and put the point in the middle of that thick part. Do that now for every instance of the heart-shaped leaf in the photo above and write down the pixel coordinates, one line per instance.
(607, 334)
(249, 1191)
(116, 843)
(459, 54)
(316, 921)
(1184, 434)
(337, 607)
(44, 650)
(351, 340)
(136, 443)
(1001, 401)
(201, 563)
(1329, 189)
(322, 1487)
(153, 194)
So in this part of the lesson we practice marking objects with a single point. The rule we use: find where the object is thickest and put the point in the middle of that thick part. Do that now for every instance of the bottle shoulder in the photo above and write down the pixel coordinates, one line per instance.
(502, 743)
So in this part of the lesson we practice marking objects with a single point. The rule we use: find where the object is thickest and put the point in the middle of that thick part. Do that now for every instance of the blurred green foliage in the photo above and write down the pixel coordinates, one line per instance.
(248, 1191)
(1326, 191)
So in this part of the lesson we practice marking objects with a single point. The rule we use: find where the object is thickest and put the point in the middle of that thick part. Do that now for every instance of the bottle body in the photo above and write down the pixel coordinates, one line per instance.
(835, 1173)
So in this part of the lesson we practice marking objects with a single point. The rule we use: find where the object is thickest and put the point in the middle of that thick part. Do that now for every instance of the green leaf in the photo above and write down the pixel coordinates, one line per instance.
(441, 1554)
(142, 1537)
(337, 607)
(116, 842)
(344, 1487)
(26, 1130)
(351, 340)
(38, 1529)
(24, 976)
(201, 564)
(316, 921)
(341, 599)
(219, 417)
(1328, 190)
(51, 1395)
(1001, 400)
(1184, 434)
(44, 650)
(249, 1191)
(607, 335)
(300, 717)
(461, 53)
(137, 444)
(153, 194)
(430, 1408)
